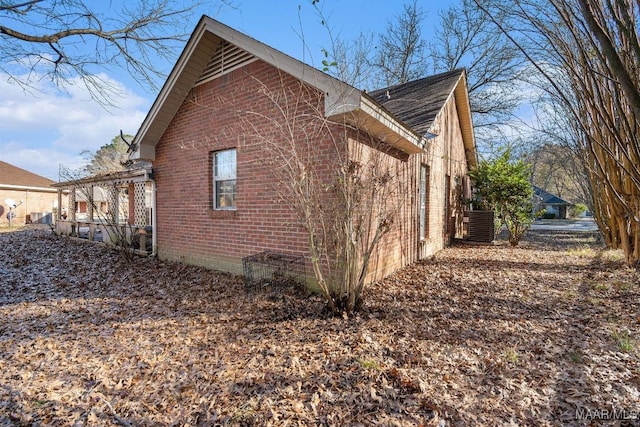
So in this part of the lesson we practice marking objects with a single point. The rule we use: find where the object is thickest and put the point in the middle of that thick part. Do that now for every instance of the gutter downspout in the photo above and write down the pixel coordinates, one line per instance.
(154, 236)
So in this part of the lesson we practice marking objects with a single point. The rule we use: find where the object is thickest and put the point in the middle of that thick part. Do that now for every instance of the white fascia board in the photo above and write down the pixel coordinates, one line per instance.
(145, 149)
(369, 107)
(27, 188)
(342, 100)
(464, 109)
(282, 61)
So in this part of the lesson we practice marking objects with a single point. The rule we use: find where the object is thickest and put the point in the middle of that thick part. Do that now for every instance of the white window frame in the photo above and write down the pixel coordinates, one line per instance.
(423, 201)
(223, 174)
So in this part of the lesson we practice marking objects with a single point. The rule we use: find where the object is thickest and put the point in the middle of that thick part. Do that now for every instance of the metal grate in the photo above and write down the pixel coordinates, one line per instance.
(267, 269)
(481, 226)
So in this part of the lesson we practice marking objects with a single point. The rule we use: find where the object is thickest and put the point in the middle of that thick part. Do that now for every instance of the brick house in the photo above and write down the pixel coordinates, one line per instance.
(212, 132)
(36, 200)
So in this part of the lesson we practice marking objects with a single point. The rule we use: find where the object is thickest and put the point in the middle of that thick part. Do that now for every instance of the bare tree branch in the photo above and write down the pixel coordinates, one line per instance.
(71, 39)
(586, 53)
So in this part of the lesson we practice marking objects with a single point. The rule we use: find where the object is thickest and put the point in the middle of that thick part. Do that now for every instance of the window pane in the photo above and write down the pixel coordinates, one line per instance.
(225, 194)
(224, 179)
(423, 201)
(225, 166)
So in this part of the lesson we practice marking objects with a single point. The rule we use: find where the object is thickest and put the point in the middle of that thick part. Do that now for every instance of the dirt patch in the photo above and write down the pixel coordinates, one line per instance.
(477, 335)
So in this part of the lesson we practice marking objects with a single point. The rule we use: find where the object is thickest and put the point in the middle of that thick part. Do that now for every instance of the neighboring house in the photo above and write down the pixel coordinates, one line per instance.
(552, 204)
(217, 197)
(35, 199)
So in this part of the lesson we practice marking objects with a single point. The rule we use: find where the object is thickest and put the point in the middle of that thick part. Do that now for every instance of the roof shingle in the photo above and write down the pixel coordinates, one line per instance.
(548, 198)
(13, 175)
(418, 102)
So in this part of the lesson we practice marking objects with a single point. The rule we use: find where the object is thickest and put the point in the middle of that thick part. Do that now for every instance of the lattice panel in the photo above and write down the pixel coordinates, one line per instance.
(111, 194)
(139, 203)
(72, 205)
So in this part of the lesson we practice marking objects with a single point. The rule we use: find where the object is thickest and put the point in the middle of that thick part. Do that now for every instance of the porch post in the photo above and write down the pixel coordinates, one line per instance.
(90, 203)
(71, 215)
(59, 210)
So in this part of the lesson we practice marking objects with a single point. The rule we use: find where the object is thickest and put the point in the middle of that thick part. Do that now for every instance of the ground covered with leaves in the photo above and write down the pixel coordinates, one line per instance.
(543, 334)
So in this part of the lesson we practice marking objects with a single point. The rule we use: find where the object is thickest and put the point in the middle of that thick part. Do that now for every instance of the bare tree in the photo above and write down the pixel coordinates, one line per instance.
(556, 155)
(67, 39)
(401, 54)
(374, 60)
(350, 60)
(346, 212)
(594, 81)
(465, 38)
(558, 169)
(341, 184)
(612, 22)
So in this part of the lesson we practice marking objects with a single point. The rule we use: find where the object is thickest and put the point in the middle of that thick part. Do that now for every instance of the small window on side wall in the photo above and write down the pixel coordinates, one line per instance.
(224, 179)
(424, 202)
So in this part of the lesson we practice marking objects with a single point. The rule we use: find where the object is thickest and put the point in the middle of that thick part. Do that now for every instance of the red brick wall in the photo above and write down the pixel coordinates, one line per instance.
(238, 110)
(444, 156)
(246, 109)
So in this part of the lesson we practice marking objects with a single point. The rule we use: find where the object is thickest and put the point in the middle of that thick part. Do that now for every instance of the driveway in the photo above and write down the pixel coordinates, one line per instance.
(581, 224)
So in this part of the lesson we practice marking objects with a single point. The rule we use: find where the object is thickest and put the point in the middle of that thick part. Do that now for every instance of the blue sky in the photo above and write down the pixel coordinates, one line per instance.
(42, 130)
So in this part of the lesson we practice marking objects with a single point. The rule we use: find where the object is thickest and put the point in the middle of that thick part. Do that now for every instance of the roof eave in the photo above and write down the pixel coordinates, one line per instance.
(126, 176)
(340, 97)
(463, 107)
(175, 89)
(26, 188)
(376, 121)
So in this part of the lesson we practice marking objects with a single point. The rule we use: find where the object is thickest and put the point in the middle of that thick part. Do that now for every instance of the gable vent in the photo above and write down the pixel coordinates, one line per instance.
(226, 58)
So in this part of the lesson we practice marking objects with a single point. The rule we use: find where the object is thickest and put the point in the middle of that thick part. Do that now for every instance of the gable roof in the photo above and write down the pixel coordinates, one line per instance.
(13, 176)
(548, 198)
(203, 58)
(417, 103)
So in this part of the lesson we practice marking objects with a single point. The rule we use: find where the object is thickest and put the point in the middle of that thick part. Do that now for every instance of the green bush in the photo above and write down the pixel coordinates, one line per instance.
(502, 185)
(577, 210)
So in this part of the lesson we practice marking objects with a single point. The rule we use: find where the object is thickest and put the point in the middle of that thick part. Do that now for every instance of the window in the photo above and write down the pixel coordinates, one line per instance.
(447, 197)
(424, 195)
(224, 179)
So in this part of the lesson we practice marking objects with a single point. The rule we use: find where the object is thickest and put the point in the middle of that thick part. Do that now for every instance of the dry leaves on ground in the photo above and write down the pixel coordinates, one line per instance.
(477, 335)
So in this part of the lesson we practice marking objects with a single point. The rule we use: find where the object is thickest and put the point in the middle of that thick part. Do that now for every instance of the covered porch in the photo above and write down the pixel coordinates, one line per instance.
(116, 209)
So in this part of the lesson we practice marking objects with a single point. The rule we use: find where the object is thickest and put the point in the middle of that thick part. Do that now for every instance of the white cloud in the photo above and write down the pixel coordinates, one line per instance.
(41, 129)
(43, 161)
